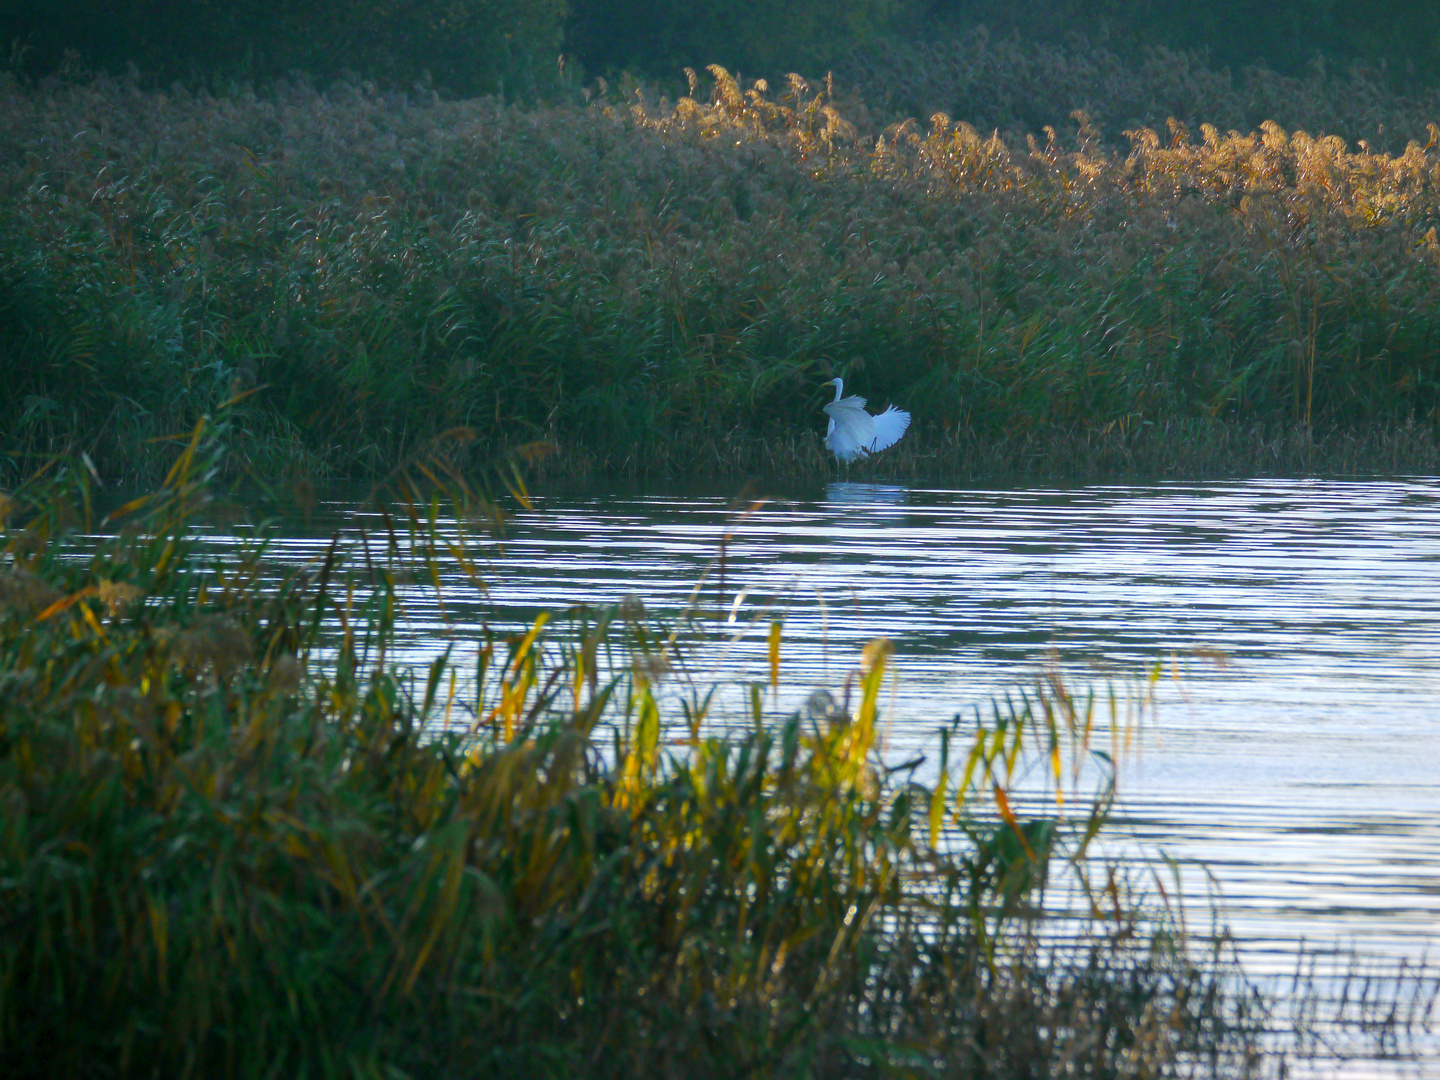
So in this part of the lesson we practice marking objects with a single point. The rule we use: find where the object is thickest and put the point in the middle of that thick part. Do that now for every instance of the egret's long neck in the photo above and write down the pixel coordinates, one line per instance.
(839, 386)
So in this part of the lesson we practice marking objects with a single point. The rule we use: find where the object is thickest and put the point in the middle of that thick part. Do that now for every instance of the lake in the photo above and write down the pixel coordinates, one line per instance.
(1295, 746)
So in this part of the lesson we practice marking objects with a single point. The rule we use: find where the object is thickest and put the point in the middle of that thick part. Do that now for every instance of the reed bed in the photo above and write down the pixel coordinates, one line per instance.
(239, 840)
(663, 287)
(1018, 86)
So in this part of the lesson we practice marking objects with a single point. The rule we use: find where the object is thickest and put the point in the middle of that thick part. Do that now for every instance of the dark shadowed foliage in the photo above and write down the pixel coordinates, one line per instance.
(464, 45)
(758, 39)
(1285, 35)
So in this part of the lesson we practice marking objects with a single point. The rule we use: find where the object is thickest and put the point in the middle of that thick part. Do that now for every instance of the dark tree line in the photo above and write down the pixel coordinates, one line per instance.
(476, 45)
(1282, 34)
(465, 45)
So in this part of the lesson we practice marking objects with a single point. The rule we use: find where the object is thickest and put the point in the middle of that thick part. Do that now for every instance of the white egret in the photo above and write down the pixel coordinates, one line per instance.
(854, 433)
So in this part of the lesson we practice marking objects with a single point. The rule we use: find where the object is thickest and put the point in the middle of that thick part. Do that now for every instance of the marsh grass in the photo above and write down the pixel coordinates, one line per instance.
(1019, 85)
(663, 287)
(239, 840)
(1339, 1006)
(1169, 450)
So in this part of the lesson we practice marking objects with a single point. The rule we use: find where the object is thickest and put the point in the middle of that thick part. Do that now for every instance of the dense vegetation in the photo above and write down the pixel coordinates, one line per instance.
(473, 45)
(1284, 35)
(239, 841)
(664, 286)
(470, 45)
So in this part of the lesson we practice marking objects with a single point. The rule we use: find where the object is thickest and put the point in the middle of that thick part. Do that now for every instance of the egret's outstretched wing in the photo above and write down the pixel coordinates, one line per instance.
(852, 429)
(853, 433)
(888, 427)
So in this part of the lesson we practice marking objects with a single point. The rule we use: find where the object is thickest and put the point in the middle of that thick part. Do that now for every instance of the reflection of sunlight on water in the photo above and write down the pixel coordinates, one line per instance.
(1301, 773)
(843, 491)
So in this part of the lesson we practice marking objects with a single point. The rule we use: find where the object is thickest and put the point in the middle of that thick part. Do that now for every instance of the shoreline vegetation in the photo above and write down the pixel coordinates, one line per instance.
(242, 836)
(661, 288)
(240, 839)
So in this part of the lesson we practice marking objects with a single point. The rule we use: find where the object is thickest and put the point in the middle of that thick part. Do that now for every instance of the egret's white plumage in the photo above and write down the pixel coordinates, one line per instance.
(854, 433)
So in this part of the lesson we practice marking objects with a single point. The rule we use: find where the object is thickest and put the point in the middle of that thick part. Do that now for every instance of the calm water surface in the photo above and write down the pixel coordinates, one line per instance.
(1304, 771)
